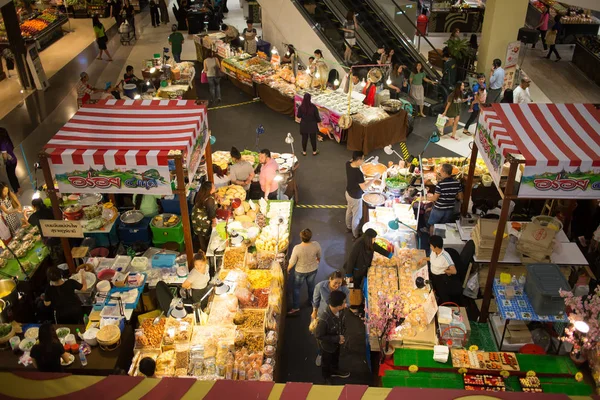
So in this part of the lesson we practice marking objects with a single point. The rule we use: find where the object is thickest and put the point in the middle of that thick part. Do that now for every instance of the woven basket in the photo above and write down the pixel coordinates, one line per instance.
(109, 337)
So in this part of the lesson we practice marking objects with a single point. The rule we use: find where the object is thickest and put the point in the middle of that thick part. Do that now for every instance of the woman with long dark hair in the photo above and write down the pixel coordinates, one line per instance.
(61, 296)
(10, 160)
(291, 58)
(361, 256)
(398, 82)
(48, 353)
(416, 86)
(204, 213)
(309, 123)
(11, 208)
(101, 38)
(453, 107)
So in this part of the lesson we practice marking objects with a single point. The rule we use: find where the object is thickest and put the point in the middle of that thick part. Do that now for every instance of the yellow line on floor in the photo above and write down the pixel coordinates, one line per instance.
(234, 105)
(320, 206)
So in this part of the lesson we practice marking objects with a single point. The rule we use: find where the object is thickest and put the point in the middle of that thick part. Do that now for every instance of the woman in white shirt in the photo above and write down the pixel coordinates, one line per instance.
(197, 280)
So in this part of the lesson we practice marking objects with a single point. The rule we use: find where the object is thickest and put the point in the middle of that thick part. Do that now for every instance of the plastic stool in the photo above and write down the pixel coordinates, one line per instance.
(532, 349)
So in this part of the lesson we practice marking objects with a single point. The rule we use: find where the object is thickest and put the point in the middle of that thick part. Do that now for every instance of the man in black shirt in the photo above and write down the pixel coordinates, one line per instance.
(355, 185)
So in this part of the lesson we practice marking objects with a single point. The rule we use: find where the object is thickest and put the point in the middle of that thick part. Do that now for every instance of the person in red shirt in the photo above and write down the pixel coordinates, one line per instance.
(422, 22)
(369, 91)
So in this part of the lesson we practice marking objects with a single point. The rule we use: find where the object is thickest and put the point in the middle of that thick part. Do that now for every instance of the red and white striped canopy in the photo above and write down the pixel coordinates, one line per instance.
(128, 132)
(547, 134)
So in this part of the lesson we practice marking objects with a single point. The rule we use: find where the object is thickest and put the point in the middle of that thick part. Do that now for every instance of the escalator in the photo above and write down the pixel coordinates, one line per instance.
(374, 28)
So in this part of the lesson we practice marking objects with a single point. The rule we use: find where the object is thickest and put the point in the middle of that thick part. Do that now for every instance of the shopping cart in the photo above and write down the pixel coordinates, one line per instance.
(127, 34)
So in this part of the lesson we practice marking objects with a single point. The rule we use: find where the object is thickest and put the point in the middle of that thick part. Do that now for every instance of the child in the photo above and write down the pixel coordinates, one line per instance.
(480, 98)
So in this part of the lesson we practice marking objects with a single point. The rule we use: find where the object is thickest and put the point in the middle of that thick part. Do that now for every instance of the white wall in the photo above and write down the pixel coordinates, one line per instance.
(283, 23)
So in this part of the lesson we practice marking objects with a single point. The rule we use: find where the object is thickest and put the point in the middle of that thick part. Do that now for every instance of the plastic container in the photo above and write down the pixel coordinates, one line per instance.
(121, 263)
(486, 180)
(549, 222)
(139, 264)
(542, 288)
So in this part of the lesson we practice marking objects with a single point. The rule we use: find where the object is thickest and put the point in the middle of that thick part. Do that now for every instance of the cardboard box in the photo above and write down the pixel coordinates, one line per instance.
(518, 332)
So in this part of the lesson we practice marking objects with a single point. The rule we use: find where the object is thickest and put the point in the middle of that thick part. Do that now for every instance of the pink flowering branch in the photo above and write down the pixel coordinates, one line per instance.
(587, 310)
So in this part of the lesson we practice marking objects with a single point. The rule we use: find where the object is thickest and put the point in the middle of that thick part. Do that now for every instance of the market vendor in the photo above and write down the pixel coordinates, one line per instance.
(197, 280)
(232, 35)
(147, 204)
(321, 69)
(291, 58)
(41, 211)
(249, 35)
(443, 271)
(361, 256)
(49, 352)
(204, 213)
(220, 177)
(62, 297)
(85, 90)
(268, 172)
(447, 191)
(241, 171)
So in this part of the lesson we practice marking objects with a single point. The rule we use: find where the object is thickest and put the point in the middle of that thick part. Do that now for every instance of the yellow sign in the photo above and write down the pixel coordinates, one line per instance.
(66, 229)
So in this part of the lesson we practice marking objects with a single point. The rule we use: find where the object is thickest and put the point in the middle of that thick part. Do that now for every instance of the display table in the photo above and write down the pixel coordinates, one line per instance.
(275, 100)
(519, 308)
(586, 60)
(367, 138)
(35, 257)
(99, 362)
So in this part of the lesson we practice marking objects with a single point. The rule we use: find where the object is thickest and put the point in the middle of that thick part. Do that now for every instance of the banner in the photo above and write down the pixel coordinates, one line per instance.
(560, 182)
(329, 119)
(112, 179)
(512, 54)
(198, 150)
(489, 149)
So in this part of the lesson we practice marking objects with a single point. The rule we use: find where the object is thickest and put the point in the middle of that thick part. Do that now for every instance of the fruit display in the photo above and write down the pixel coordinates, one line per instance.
(591, 43)
(226, 194)
(267, 240)
(32, 27)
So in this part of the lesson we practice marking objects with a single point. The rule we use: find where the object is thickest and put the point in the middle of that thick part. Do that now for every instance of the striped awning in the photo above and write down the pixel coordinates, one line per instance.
(128, 132)
(552, 135)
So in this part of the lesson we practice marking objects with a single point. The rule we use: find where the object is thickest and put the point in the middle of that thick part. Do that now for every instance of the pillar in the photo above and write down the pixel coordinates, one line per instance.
(17, 44)
(501, 24)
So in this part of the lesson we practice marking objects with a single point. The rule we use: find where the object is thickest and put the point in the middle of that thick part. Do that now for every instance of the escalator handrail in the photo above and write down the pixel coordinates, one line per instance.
(318, 32)
(400, 35)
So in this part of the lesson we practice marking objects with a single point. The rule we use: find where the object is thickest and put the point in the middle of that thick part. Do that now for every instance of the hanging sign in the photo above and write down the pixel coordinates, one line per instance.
(66, 229)
(512, 54)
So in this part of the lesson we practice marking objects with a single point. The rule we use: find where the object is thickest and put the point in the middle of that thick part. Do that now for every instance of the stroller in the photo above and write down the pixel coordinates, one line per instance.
(127, 34)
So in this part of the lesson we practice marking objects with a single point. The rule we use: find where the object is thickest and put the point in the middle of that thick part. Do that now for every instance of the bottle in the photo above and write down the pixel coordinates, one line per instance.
(522, 280)
(86, 320)
(82, 357)
(77, 333)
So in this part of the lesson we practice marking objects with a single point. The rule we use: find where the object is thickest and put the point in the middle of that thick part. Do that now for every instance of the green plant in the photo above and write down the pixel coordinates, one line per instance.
(459, 48)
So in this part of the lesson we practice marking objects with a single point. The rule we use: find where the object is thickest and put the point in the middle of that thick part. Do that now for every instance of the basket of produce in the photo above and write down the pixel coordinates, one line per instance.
(234, 257)
(109, 337)
(6, 332)
(392, 106)
(226, 194)
(397, 184)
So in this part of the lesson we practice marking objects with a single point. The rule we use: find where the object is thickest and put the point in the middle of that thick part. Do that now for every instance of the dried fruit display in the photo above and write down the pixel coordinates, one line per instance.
(150, 335)
(234, 257)
(260, 278)
(251, 320)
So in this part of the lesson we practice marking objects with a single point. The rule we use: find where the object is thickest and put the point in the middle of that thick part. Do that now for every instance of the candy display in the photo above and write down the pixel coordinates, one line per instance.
(494, 361)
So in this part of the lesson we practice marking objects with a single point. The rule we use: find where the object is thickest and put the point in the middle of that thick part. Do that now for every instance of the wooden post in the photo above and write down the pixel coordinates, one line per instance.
(185, 215)
(487, 293)
(208, 160)
(469, 185)
(55, 207)
(113, 199)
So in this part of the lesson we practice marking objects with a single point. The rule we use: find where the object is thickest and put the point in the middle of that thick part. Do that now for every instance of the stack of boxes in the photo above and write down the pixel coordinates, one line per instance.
(484, 235)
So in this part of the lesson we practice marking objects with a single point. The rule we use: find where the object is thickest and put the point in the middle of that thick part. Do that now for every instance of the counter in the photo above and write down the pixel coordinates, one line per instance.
(585, 59)
(446, 20)
(99, 362)
(367, 138)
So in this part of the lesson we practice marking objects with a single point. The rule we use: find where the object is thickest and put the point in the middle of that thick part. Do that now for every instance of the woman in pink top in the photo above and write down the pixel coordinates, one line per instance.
(543, 27)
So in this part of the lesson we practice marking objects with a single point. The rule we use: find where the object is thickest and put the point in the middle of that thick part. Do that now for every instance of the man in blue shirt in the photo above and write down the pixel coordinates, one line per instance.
(480, 97)
(496, 82)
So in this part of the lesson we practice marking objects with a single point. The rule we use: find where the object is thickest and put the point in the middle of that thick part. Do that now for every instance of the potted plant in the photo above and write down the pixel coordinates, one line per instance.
(386, 320)
(460, 50)
(584, 331)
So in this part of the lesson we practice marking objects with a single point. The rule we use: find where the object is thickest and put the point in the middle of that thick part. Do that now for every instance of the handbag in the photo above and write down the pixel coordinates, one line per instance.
(203, 77)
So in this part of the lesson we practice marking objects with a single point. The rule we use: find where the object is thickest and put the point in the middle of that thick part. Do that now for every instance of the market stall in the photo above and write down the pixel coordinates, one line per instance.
(587, 56)
(43, 29)
(167, 80)
(552, 151)
(82, 160)
(236, 337)
(574, 20)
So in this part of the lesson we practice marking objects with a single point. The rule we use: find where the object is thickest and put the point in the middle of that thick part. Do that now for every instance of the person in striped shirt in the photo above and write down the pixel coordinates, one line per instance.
(447, 191)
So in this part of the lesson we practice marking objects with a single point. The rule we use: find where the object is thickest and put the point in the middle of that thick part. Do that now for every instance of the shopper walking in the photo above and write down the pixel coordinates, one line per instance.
(323, 291)
(416, 86)
(101, 38)
(212, 68)
(114, 11)
(543, 27)
(164, 11)
(444, 198)
(521, 93)
(551, 41)
(350, 27)
(304, 261)
(10, 160)
(355, 185)
(480, 98)
(249, 35)
(154, 13)
(330, 332)
(204, 213)
(309, 123)
(11, 208)
(129, 13)
(361, 256)
(176, 42)
(496, 82)
(508, 96)
(397, 81)
(453, 107)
